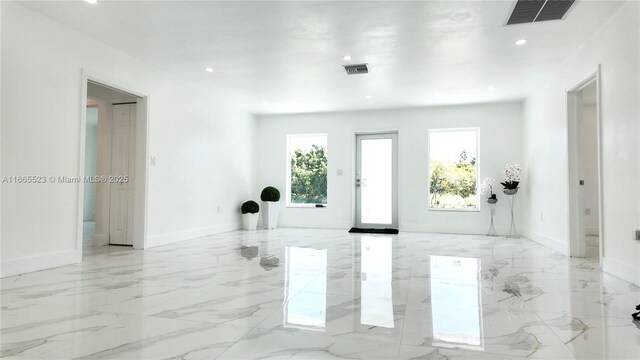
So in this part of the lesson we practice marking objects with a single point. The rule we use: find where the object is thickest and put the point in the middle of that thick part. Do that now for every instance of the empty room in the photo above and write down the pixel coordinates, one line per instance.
(320, 179)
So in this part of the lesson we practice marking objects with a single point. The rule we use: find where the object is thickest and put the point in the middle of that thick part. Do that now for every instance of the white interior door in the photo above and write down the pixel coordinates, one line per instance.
(122, 165)
(580, 189)
(377, 180)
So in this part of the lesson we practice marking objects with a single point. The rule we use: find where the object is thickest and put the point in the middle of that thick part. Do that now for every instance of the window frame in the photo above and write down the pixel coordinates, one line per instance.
(478, 206)
(288, 202)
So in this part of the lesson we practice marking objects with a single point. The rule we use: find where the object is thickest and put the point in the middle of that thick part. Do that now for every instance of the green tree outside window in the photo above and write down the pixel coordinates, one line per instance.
(450, 181)
(309, 176)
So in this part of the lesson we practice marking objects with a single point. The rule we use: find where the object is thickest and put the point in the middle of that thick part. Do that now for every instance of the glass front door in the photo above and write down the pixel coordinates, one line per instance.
(376, 180)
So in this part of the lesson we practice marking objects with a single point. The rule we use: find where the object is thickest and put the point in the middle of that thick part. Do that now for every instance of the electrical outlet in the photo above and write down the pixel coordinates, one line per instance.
(153, 160)
(218, 209)
(339, 172)
(587, 211)
(636, 234)
(541, 216)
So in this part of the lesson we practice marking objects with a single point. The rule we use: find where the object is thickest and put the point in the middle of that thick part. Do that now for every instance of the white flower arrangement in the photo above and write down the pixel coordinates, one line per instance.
(487, 186)
(511, 176)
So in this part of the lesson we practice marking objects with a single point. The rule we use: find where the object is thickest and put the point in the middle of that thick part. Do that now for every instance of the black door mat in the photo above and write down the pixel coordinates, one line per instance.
(373, 231)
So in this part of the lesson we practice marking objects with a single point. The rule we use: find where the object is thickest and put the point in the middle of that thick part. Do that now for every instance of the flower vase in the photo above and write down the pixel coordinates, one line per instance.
(492, 210)
(511, 198)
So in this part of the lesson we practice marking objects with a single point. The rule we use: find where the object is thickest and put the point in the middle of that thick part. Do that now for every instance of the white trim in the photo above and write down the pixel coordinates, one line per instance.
(394, 137)
(40, 262)
(141, 163)
(306, 206)
(575, 215)
(327, 226)
(287, 199)
(140, 213)
(354, 164)
(177, 236)
(621, 270)
(454, 209)
(600, 172)
(81, 161)
(450, 228)
(556, 244)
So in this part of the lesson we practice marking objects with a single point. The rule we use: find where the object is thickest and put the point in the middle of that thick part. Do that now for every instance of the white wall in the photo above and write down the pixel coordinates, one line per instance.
(500, 143)
(616, 47)
(205, 156)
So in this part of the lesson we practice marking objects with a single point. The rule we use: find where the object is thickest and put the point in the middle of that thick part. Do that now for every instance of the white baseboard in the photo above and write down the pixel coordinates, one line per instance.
(331, 226)
(170, 238)
(621, 270)
(555, 244)
(425, 228)
(451, 229)
(39, 262)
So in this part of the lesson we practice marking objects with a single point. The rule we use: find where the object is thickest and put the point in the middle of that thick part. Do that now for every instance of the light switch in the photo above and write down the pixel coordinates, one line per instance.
(339, 172)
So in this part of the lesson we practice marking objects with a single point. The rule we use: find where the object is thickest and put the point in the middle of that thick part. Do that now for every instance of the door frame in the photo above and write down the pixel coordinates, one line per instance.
(394, 134)
(139, 216)
(576, 214)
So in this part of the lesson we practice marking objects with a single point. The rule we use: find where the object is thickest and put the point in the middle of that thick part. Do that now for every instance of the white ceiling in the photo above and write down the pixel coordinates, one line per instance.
(289, 54)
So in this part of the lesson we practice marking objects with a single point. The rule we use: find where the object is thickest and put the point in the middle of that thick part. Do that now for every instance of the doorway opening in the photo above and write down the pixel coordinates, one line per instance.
(585, 190)
(376, 181)
(113, 185)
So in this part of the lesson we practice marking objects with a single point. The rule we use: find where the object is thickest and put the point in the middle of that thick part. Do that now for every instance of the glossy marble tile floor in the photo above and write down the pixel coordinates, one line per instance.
(322, 294)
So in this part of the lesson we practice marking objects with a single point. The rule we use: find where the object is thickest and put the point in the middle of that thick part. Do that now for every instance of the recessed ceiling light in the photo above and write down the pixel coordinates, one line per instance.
(368, 97)
(265, 102)
(92, 2)
(346, 57)
(491, 88)
(521, 42)
(208, 69)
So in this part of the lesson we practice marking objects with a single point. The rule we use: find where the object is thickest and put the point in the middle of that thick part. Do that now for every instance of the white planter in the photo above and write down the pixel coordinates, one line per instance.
(270, 213)
(250, 221)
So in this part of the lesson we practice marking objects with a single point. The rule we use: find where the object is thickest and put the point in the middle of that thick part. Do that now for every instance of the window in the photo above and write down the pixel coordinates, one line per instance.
(306, 170)
(453, 169)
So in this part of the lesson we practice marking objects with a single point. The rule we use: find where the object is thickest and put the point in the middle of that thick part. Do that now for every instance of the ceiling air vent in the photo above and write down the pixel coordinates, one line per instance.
(356, 69)
(529, 11)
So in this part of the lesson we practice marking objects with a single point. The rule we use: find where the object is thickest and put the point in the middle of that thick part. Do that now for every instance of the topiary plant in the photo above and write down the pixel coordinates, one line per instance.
(270, 194)
(250, 207)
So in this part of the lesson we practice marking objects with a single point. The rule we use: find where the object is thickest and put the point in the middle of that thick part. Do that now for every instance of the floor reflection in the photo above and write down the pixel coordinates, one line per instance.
(305, 299)
(309, 294)
(376, 292)
(452, 291)
(456, 310)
